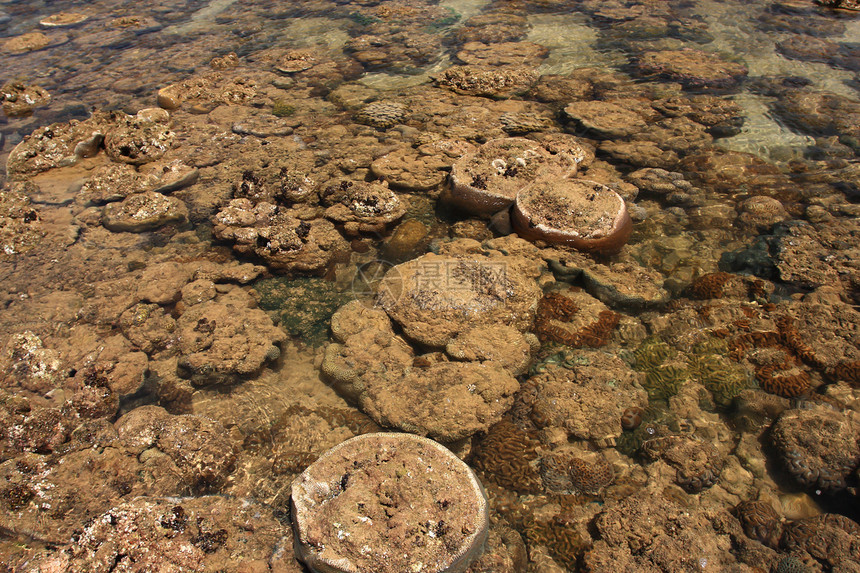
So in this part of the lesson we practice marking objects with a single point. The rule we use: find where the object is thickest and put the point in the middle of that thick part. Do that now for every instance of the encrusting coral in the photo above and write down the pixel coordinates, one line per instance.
(555, 306)
(506, 455)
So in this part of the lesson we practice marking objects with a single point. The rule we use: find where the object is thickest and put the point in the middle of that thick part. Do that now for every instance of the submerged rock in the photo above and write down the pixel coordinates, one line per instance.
(496, 82)
(144, 212)
(694, 69)
(19, 100)
(434, 297)
(56, 145)
(222, 342)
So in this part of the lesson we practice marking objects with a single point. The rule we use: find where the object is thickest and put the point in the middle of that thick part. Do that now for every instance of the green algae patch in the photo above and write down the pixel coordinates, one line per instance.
(303, 305)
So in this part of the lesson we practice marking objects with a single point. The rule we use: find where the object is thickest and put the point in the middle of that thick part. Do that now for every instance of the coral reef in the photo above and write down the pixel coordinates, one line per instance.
(697, 464)
(587, 400)
(760, 522)
(819, 447)
(555, 307)
(507, 455)
(398, 479)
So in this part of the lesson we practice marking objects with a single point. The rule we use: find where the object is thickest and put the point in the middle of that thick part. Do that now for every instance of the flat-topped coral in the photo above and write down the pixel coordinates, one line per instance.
(435, 297)
(383, 502)
(488, 179)
(585, 215)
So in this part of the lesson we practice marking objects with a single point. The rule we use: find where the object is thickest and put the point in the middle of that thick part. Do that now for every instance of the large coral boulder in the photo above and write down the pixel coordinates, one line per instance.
(388, 503)
(819, 447)
(585, 215)
(221, 341)
(588, 398)
(423, 395)
(435, 297)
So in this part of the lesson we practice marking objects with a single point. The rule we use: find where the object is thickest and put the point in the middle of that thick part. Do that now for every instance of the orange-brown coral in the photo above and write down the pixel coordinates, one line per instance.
(787, 377)
(760, 521)
(591, 476)
(849, 371)
(555, 306)
(795, 382)
(709, 285)
(505, 455)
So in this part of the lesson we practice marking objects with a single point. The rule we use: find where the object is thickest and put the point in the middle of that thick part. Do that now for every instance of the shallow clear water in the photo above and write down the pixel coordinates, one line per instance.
(736, 154)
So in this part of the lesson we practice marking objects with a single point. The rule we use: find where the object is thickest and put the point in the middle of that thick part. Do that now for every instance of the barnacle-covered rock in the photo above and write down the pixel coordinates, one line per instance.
(136, 140)
(277, 236)
(490, 81)
(113, 182)
(19, 100)
(56, 145)
(143, 212)
(225, 341)
(25, 363)
(697, 464)
(488, 179)
(191, 534)
(363, 207)
(587, 398)
(435, 297)
(20, 227)
(818, 446)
